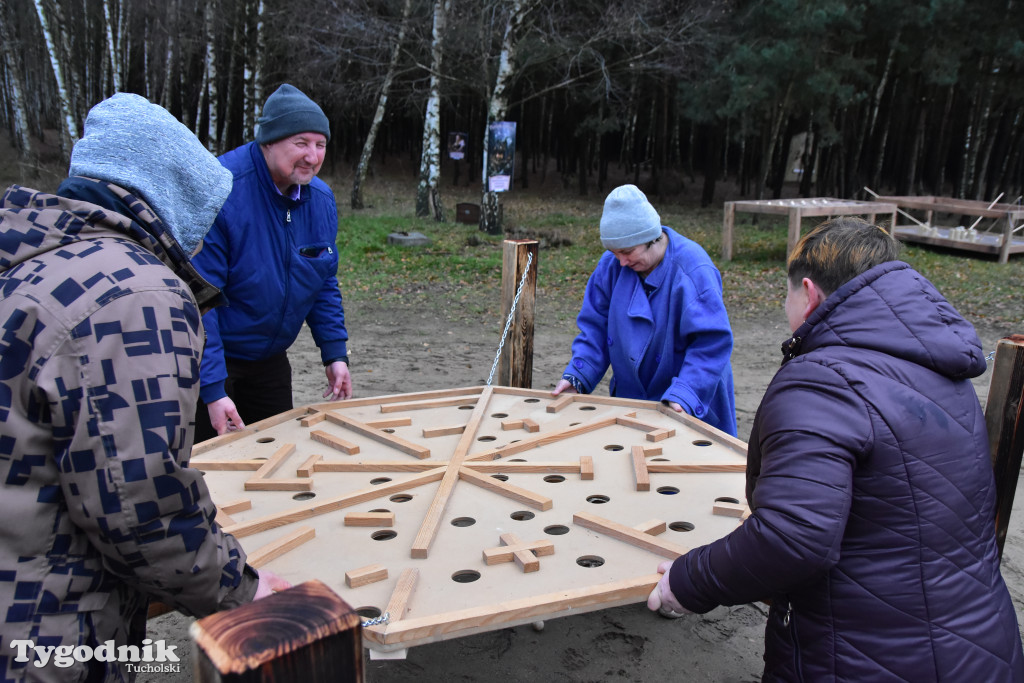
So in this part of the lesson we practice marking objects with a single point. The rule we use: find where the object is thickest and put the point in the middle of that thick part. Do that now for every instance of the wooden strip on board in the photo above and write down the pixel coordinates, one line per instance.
(383, 437)
(276, 549)
(652, 527)
(435, 403)
(310, 510)
(629, 535)
(307, 468)
(431, 432)
(334, 442)
(670, 468)
(643, 480)
(432, 520)
(390, 423)
(524, 467)
(586, 467)
(354, 578)
(561, 402)
(381, 466)
(227, 465)
(370, 519)
(516, 493)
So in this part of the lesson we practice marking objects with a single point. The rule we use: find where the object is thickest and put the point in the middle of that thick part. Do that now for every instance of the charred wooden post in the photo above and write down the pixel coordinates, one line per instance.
(515, 368)
(306, 633)
(1004, 418)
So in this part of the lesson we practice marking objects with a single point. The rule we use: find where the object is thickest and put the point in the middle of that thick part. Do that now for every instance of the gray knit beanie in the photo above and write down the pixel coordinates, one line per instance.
(628, 219)
(288, 111)
(139, 146)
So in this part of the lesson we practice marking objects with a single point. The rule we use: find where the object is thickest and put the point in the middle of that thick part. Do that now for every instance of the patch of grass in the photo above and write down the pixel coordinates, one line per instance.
(459, 273)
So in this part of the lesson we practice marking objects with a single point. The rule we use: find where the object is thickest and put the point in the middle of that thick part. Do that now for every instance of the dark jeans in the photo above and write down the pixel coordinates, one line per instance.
(259, 388)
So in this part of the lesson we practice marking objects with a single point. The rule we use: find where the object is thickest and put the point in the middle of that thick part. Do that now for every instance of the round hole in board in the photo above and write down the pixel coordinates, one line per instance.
(380, 510)
(500, 477)
(305, 495)
(681, 526)
(573, 424)
(668, 490)
(368, 612)
(531, 400)
(556, 529)
(522, 515)
(466, 407)
(400, 498)
(727, 499)
(598, 499)
(265, 439)
(659, 459)
(701, 442)
(380, 480)
(487, 438)
(465, 576)
(554, 478)
(613, 447)
(499, 415)
(517, 460)
(588, 407)
(388, 430)
(590, 561)
(463, 521)
(383, 535)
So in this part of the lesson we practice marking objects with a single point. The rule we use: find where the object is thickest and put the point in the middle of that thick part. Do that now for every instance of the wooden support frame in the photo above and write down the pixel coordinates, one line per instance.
(1004, 419)
(480, 477)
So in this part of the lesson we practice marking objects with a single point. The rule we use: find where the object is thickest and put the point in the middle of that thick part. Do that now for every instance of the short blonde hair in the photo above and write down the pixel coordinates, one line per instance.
(838, 250)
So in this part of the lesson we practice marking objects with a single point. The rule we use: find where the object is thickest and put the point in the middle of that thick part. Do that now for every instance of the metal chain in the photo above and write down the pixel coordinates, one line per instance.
(515, 302)
(382, 619)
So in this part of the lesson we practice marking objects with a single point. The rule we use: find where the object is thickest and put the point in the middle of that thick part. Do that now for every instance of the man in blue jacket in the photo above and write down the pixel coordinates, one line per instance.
(868, 473)
(272, 251)
(653, 310)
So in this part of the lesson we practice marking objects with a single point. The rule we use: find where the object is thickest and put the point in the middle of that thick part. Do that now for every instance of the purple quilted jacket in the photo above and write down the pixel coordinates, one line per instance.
(873, 498)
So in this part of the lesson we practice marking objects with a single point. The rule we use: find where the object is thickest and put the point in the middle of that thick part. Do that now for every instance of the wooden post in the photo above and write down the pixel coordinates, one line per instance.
(515, 368)
(306, 633)
(1004, 418)
(795, 219)
(728, 225)
(1004, 246)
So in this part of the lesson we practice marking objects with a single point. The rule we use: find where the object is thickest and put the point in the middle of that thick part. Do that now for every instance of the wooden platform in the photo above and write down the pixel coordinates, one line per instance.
(982, 243)
(797, 210)
(453, 512)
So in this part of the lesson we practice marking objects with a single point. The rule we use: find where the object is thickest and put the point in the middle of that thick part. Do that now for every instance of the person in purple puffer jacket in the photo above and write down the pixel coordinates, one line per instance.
(868, 475)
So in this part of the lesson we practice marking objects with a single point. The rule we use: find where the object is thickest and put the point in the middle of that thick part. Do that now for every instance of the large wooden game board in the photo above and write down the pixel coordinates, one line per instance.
(453, 512)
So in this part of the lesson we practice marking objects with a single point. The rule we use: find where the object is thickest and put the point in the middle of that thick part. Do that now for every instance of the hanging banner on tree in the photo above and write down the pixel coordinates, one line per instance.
(456, 146)
(501, 153)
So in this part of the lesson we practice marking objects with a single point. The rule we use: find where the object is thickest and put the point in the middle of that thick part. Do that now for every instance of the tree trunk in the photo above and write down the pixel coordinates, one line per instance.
(15, 87)
(115, 63)
(490, 206)
(428, 192)
(69, 130)
(378, 116)
(210, 78)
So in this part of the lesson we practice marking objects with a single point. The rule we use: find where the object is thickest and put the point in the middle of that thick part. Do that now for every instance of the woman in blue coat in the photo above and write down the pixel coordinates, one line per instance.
(653, 310)
(869, 478)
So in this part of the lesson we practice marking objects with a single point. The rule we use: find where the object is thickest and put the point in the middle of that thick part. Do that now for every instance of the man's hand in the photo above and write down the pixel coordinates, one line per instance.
(269, 584)
(339, 381)
(224, 416)
(661, 599)
(564, 385)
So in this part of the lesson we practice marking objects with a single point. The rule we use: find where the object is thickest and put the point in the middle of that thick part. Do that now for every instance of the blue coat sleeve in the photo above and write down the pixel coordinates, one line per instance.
(590, 357)
(326, 319)
(212, 264)
(810, 428)
(707, 337)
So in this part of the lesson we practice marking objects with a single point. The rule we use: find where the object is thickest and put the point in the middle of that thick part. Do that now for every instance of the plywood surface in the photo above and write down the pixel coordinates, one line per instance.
(495, 506)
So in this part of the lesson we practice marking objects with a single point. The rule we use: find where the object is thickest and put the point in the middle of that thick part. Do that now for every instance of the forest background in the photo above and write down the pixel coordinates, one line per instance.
(902, 96)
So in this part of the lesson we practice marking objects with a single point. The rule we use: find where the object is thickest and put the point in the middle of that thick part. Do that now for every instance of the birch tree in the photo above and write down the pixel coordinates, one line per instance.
(490, 207)
(428, 194)
(209, 80)
(69, 131)
(378, 115)
(115, 63)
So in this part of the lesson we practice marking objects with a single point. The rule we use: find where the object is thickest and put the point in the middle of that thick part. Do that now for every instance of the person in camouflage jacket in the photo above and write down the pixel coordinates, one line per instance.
(100, 345)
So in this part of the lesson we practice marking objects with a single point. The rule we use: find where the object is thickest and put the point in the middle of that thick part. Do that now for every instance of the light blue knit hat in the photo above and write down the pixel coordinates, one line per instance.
(628, 219)
(139, 146)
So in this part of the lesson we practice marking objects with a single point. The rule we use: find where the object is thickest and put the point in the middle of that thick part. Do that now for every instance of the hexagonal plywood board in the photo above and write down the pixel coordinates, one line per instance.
(446, 513)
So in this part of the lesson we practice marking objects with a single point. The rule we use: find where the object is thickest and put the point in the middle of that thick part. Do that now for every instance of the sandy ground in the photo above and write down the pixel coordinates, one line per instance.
(417, 350)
